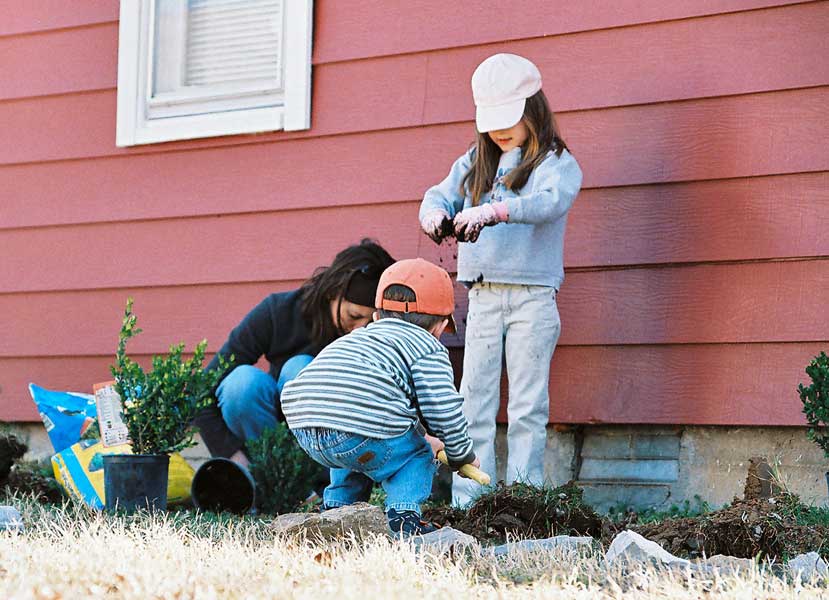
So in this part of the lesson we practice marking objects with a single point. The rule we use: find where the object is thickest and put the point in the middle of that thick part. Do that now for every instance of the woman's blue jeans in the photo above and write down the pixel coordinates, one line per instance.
(248, 397)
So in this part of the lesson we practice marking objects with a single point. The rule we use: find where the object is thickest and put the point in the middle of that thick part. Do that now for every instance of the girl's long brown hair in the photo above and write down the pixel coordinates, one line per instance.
(543, 137)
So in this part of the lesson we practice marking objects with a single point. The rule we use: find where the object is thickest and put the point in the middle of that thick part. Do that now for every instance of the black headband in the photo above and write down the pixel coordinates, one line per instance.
(362, 286)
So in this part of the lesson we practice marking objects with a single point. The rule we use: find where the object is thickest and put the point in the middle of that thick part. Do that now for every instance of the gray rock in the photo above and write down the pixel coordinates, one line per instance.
(10, 519)
(565, 542)
(362, 520)
(724, 565)
(442, 541)
(630, 547)
(808, 566)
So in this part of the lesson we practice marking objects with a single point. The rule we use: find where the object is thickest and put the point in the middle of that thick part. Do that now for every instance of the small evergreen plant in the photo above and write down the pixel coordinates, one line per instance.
(285, 475)
(815, 398)
(159, 405)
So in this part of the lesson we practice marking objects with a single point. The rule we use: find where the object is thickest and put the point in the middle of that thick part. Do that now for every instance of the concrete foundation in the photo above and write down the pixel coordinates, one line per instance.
(642, 466)
(648, 466)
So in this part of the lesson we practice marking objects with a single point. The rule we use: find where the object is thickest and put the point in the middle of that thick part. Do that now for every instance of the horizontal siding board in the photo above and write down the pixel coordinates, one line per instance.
(738, 219)
(364, 28)
(67, 373)
(731, 384)
(63, 61)
(244, 248)
(728, 303)
(770, 49)
(31, 17)
(341, 30)
(695, 139)
(87, 323)
(744, 302)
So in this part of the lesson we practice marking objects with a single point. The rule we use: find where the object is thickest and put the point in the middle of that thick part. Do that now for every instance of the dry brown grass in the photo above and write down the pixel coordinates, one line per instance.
(76, 553)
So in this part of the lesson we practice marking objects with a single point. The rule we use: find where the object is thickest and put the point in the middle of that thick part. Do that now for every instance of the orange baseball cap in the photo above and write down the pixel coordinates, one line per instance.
(432, 286)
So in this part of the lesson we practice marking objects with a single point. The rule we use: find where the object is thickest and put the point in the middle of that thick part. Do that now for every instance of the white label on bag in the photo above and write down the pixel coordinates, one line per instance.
(113, 429)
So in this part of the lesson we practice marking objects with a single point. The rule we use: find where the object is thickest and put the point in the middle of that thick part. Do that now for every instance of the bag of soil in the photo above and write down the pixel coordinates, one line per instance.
(66, 415)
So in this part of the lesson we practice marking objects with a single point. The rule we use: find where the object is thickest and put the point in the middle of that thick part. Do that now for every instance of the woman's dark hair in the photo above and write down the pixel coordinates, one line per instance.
(543, 137)
(368, 260)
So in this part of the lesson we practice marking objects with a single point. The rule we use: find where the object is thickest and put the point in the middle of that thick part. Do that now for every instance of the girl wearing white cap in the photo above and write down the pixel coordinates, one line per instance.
(506, 200)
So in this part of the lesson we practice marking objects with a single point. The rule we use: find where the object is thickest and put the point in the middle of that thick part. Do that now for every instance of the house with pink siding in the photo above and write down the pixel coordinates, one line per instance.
(185, 155)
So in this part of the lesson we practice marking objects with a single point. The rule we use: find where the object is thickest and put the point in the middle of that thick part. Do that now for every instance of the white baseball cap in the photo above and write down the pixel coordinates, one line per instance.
(500, 86)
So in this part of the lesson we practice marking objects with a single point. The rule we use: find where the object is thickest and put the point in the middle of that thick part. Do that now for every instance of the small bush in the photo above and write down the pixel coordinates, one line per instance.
(159, 405)
(815, 398)
(285, 475)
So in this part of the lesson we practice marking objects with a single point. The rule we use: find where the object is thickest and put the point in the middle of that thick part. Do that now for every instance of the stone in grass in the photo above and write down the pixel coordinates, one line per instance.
(724, 565)
(809, 566)
(10, 519)
(362, 520)
(629, 547)
(444, 540)
(565, 542)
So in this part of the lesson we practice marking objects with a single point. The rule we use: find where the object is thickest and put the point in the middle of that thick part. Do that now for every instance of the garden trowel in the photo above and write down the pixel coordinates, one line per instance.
(469, 471)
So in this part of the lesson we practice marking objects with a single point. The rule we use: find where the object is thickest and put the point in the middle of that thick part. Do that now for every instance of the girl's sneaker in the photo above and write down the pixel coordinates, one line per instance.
(407, 523)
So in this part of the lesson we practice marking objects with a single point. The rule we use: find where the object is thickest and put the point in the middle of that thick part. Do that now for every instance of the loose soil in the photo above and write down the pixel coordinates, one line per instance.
(763, 524)
(522, 511)
(35, 480)
(764, 527)
(12, 449)
(25, 477)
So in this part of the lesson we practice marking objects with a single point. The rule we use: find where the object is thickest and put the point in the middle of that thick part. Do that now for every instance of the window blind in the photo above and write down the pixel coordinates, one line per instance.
(230, 41)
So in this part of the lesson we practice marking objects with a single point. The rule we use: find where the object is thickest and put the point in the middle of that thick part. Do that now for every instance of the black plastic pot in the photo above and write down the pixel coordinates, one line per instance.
(134, 481)
(223, 485)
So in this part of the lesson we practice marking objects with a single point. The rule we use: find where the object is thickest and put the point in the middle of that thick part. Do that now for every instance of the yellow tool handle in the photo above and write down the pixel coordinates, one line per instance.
(470, 471)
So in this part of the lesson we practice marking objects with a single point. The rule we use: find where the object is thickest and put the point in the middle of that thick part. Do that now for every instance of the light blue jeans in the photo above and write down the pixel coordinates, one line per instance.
(248, 397)
(521, 322)
(404, 465)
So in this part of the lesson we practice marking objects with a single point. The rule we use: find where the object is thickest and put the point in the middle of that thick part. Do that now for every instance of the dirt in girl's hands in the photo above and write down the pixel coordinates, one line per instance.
(447, 230)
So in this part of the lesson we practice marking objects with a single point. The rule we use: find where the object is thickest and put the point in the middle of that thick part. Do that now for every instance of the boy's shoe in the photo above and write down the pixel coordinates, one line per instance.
(408, 523)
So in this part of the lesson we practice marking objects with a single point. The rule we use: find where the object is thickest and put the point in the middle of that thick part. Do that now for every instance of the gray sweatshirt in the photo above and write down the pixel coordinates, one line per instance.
(529, 249)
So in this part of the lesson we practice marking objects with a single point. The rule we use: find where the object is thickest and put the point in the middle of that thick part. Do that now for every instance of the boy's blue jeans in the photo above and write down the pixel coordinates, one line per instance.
(404, 465)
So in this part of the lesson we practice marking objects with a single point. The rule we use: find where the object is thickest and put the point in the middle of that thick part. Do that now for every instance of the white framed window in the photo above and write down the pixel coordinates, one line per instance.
(203, 68)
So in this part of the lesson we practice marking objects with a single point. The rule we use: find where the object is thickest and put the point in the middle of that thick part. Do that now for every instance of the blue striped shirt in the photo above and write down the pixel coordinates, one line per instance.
(371, 381)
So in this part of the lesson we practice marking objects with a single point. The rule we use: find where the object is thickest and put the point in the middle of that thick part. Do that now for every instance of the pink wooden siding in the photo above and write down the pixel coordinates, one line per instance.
(697, 254)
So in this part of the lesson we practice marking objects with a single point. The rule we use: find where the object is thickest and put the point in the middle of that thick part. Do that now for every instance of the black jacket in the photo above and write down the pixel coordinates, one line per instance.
(274, 329)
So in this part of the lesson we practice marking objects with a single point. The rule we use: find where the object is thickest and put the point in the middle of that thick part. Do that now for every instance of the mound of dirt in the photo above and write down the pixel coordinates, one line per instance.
(522, 511)
(35, 479)
(25, 477)
(764, 527)
(12, 448)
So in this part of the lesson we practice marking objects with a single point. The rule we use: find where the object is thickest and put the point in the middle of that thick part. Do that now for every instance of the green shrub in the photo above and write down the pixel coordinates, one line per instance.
(815, 398)
(158, 406)
(285, 475)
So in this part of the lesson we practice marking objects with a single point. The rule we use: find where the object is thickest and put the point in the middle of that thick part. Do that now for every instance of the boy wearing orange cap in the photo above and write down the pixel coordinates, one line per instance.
(358, 407)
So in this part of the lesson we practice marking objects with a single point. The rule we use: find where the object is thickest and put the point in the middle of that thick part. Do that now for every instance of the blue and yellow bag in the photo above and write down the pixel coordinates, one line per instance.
(80, 470)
